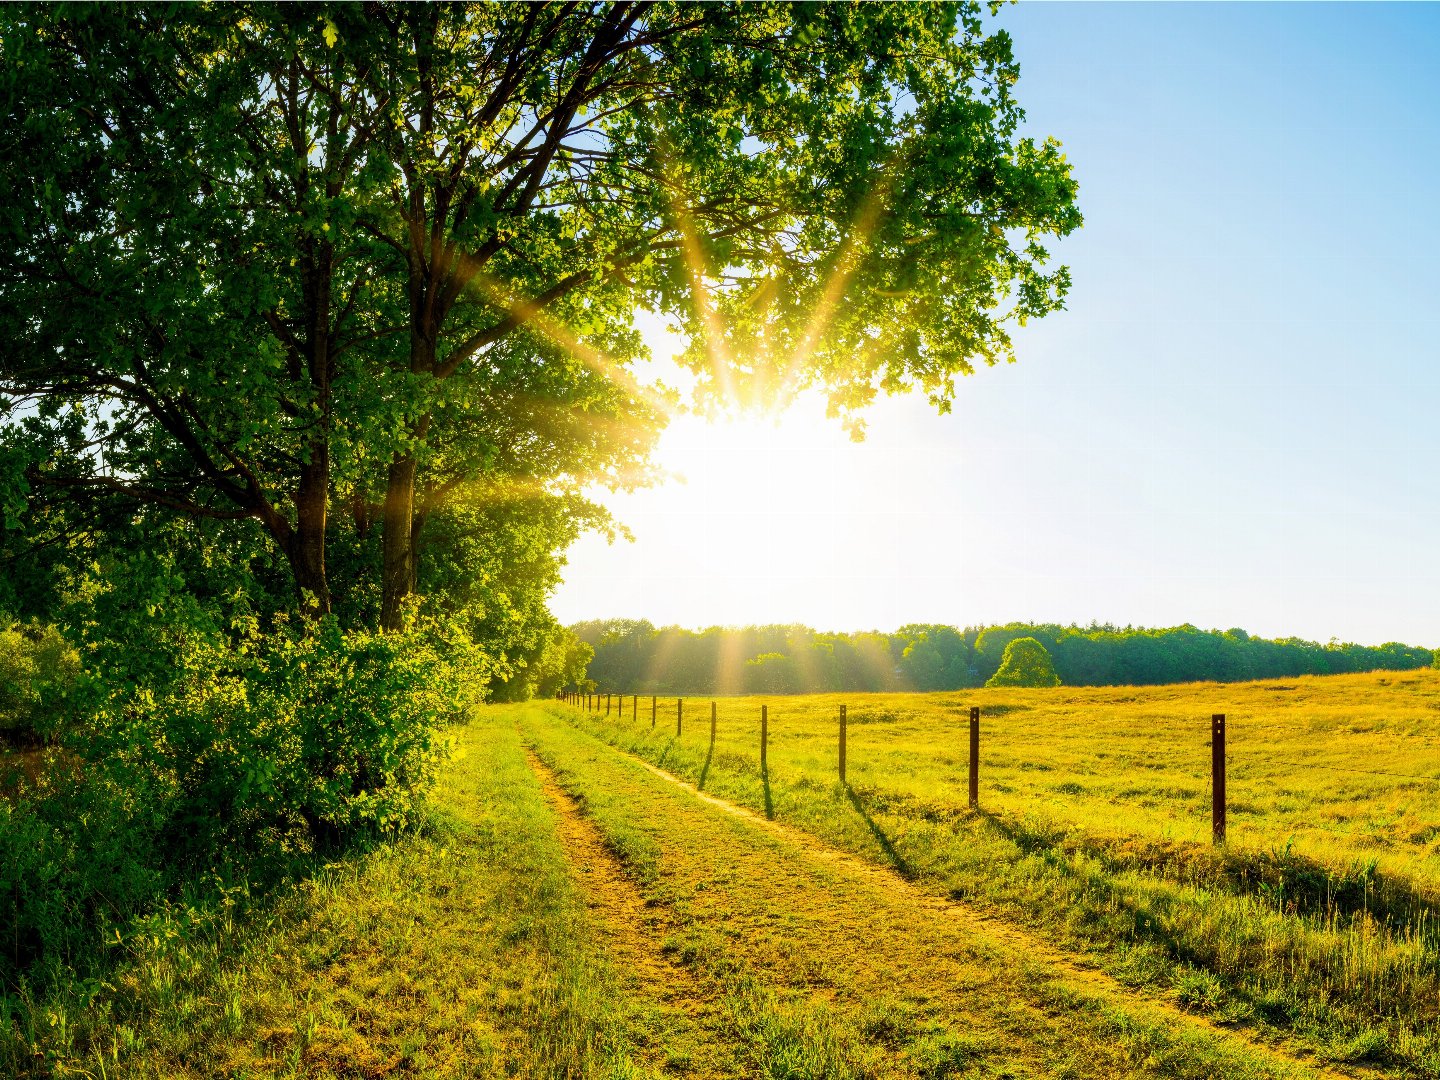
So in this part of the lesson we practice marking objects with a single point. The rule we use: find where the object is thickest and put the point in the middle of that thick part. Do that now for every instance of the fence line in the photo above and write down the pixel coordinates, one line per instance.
(1218, 754)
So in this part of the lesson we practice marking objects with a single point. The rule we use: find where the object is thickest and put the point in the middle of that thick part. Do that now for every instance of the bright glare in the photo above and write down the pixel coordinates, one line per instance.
(762, 519)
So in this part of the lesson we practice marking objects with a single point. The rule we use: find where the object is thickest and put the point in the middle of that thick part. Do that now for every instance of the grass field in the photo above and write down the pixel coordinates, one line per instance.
(579, 909)
(1344, 768)
(1316, 923)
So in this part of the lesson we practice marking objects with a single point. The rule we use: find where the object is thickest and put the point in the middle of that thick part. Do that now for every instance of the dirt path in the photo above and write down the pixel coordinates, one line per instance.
(843, 898)
(635, 931)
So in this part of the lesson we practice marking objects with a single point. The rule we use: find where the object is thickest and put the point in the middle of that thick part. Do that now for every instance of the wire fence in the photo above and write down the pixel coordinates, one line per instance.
(609, 704)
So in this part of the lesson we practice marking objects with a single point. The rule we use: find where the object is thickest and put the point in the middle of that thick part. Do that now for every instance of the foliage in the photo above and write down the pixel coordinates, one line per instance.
(635, 656)
(37, 672)
(312, 274)
(1026, 663)
(231, 756)
(325, 731)
(557, 659)
(772, 673)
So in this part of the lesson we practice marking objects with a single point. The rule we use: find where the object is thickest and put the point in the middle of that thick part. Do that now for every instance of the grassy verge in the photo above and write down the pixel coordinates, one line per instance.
(1338, 957)
(463, 950)
(829, 972)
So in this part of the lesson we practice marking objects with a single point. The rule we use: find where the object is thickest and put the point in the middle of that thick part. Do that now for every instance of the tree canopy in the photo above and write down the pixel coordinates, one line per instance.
(637, 657)
(319, 280)
(1025, 663)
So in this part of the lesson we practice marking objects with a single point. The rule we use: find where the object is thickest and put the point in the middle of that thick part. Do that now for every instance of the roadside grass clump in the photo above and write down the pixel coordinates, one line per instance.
(791, 1038)
(455, 946)
(1318, 920)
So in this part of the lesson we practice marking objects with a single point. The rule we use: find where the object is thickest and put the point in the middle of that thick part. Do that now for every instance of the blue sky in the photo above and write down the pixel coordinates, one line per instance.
(1234, 422)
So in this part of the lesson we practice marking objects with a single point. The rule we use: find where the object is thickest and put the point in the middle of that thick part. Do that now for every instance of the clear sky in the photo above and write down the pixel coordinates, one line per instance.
(1235, 423)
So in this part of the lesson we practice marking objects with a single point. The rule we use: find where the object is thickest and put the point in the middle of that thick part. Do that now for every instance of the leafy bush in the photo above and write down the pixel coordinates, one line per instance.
(37, 671)
(76, 858)
(242, 754)
(319, 732)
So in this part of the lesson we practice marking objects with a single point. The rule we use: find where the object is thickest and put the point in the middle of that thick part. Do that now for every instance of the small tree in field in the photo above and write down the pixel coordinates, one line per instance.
(1025, 663)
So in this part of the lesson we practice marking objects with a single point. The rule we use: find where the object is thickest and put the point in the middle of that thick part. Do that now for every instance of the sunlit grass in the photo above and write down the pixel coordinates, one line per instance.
(1318, 919)
(824, 972)
(463, 950)
(1341, 768)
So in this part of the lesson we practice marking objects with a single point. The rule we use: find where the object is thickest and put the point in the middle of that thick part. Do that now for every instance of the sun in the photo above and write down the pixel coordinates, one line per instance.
(756, 519)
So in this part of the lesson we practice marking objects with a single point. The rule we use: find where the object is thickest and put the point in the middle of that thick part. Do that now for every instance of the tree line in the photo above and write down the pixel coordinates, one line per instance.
(636, 656)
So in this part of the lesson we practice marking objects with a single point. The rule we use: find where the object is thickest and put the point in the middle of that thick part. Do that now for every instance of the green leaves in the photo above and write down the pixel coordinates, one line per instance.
(1026, 663)
(320, 273)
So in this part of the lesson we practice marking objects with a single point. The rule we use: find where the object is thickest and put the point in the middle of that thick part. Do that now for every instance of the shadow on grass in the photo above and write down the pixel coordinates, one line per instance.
(705, 769)
(1287, 881)
(898, 861)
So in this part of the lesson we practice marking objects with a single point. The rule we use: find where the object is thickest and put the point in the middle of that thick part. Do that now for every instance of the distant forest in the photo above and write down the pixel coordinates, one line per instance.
(636, 657)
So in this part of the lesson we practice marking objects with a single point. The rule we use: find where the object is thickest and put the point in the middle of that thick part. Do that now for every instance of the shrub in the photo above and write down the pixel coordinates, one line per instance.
(317, 732)
(1025, 663)
(243, 754)
(75, 859)
(37, 672)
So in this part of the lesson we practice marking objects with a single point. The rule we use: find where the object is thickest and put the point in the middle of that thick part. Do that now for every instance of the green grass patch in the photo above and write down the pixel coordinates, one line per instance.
(1319, 922)
(461, 949)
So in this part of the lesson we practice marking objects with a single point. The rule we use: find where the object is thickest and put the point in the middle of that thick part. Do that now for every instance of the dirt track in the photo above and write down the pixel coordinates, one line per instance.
(801, 915)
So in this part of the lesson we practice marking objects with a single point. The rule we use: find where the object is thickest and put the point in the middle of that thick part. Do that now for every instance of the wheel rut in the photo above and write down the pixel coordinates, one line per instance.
(1028, 947)
(634, 932)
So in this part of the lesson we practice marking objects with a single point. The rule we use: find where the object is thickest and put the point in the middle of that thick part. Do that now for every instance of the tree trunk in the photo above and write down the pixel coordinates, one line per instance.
(417, 522)
(307, 545)
(312, 495)
(398, 566)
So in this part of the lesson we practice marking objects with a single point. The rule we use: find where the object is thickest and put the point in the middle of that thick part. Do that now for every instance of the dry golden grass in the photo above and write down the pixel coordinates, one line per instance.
(1318, 920)
(1343, 768)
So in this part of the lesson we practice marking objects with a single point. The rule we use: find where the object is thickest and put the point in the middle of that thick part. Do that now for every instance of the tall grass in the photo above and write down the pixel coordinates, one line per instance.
(460, 948)
(1317, 919)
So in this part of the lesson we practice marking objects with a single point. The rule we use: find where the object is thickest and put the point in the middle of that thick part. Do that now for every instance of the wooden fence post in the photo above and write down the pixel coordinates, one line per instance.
(712, 723)
(1217, 777)
(679, 711)
(842, 744)
(652, 713)
(635, 707)
(974, 755)
(764, 733)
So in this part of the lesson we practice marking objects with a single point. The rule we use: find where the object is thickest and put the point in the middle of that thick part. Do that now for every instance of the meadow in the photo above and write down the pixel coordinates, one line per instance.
(593, 896)
(1316, 921)
(1342, 768)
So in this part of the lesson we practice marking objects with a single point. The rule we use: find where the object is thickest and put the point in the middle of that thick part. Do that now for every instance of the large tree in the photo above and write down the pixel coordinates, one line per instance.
(268, 262)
